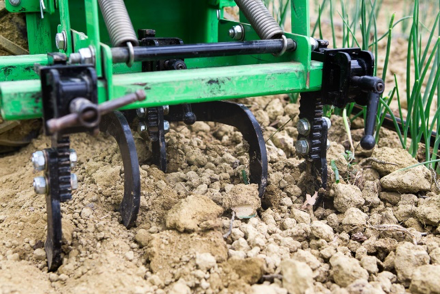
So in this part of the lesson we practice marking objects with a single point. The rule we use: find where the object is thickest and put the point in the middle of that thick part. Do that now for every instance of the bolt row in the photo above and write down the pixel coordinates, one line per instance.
(142, 113)
(39, 161)
(302, 145)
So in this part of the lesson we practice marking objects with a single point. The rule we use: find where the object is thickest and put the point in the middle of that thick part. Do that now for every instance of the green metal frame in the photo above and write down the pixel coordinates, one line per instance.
(194, 21)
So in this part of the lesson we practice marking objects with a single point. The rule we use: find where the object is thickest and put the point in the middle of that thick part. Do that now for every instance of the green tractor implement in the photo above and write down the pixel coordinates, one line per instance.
(97, 65)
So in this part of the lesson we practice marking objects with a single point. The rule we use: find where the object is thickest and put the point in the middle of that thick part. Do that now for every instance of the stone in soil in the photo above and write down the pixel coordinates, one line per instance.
(189, 213)
(297, 276)
(426, 280)
(411, 180)
(388, 160)
(408, 258)
(347, 196)
(345, 270)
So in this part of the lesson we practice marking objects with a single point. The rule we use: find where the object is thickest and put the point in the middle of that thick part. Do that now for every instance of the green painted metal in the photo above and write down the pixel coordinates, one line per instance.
(194, 21)
(93, 32)
(17, 69)
(65, 24)
(37, 27)
(175, 87)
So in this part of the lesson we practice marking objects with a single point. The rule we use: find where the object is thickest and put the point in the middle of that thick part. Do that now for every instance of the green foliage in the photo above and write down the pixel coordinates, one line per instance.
(359, 29)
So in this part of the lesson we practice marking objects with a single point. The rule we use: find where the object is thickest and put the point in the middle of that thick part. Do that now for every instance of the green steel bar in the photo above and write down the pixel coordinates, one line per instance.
(92, 20)
(300, 17)
(22, 99)
(64, 26)
(36, 28)
(16, 68)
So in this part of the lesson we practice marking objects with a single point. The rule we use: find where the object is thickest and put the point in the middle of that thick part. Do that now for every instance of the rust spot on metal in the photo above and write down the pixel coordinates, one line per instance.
(36, 97)
(140, 84)
(308, 80)
(214, 82)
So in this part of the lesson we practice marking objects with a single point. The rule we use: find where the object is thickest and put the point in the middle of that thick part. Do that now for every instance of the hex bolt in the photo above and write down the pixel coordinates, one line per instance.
(302, 146)
(303, 126)
(14, 2)
(61, 40)
(329, 122)
(166, 126)
(40, 185)
(142, 127)
(237, 32)
(39, 160)
(166, 109)
(73, 157)
(140, 112)
(73, 181)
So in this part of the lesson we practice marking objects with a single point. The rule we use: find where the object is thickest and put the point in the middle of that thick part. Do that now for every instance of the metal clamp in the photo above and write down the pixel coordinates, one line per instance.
(284, 47)
(130, 54)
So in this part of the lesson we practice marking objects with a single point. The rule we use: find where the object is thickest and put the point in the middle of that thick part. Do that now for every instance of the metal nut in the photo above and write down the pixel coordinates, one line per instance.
(166, 109)
(40, 185)
(14, 2)
(73, 181)
(303, 126)
(39, 160)
(329, 122)
(87, 55)
(61, 40)
(302, 146)
(166, 126)
(237, 32)
(142, 127)
(73, 157)
(140, 112)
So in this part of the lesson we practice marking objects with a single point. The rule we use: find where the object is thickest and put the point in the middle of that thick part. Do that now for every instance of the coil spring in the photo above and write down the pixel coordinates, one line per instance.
(260, 19)
(118, 22)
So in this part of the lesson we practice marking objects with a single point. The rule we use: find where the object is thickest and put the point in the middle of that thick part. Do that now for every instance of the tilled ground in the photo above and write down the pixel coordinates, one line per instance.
(376, 231)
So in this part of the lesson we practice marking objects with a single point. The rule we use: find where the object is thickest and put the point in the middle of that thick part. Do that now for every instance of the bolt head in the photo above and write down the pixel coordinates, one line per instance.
(73, 157)
(166, 109)
(39, 160)
(73, 181)
(142, 127)
(140, 112)
(166, 126)
(60, 41)
(14, 2)
(302, 146)
(40, 185)
(303, 127)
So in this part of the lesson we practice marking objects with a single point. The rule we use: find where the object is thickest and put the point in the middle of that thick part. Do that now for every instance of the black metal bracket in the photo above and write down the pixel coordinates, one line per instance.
(348, 77)
(60, 85)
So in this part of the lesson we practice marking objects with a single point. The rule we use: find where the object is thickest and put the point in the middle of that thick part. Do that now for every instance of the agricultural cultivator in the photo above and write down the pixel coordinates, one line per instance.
(97, 65)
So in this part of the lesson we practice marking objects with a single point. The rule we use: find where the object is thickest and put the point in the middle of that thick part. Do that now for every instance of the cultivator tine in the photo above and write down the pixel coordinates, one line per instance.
(312, 138)
(239, 116)
(59, 189)
(157, 134)
(116, 125)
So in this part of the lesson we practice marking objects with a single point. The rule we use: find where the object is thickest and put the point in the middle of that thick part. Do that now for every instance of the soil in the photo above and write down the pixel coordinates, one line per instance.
(377, 230)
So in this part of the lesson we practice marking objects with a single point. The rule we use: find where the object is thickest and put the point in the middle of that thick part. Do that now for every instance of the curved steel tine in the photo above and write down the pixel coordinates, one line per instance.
(242, 118)
(116, 125)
